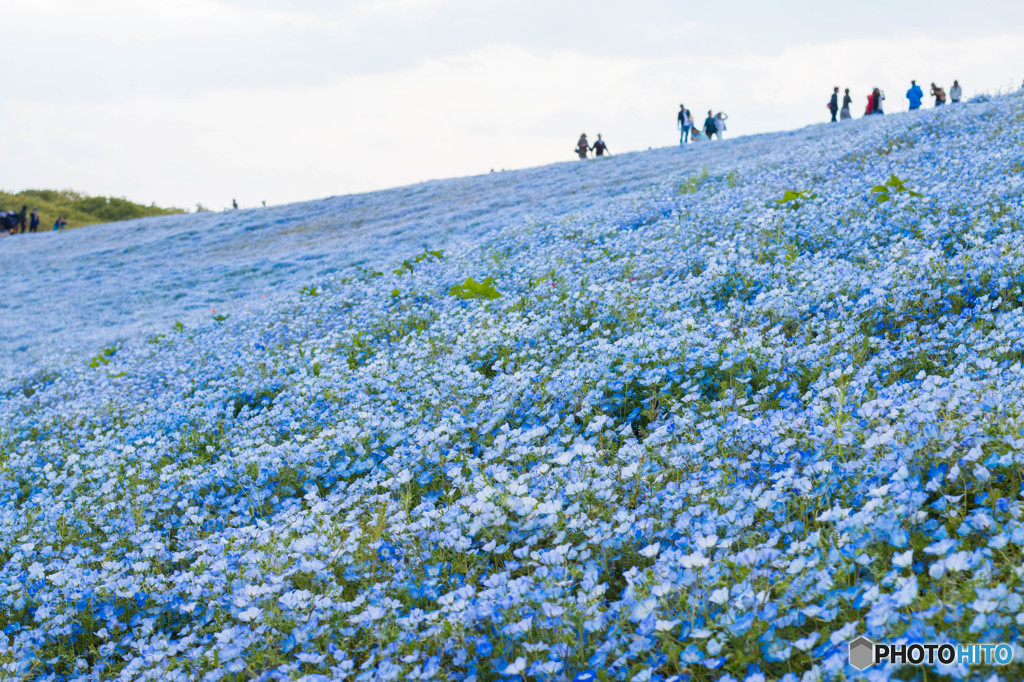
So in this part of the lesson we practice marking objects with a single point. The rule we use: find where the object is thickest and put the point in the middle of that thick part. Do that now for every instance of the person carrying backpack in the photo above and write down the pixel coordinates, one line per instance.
(833, 103)
(914, 95)
(600, 147)
(582, 147)
(685, 123)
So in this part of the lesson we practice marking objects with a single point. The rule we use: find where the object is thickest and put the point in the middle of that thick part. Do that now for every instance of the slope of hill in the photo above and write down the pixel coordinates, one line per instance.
(708, 412)
(76, 208)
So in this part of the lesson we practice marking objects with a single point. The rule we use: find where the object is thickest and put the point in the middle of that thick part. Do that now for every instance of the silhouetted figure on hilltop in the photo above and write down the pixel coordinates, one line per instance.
(720, 123)
(915, 95)
(582, 147)
(939, 94)
(600, 147)
(833, 104)
(685, 122)
(844, 113)
(710, 128)
(33, 221)
(875, 102)
(955, 93)
(234, 203)
(23, 218)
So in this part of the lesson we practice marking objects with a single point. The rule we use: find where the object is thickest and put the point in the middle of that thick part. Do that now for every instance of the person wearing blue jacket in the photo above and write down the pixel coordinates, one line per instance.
(915, 95)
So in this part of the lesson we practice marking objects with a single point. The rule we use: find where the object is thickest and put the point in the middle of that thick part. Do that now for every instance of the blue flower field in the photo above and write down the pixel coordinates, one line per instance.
(700, 413)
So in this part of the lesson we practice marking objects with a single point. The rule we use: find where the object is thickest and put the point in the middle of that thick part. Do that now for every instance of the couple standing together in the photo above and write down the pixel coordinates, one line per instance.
(833, 104)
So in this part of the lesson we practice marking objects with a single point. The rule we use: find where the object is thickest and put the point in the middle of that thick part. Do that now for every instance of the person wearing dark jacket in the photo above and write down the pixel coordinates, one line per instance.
(600, 147)
(833, 104)
(582, 147)
(685, 123)
(710, 128)
(33, 221)
(23, 218)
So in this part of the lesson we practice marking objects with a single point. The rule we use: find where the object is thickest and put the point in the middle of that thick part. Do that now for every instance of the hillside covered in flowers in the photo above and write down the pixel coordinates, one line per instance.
(694, 413)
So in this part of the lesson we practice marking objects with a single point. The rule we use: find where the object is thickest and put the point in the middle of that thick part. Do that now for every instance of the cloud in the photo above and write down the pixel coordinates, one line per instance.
(500, 107)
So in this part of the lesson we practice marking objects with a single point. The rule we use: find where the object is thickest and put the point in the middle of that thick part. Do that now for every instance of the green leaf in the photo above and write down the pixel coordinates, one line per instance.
(473, 289)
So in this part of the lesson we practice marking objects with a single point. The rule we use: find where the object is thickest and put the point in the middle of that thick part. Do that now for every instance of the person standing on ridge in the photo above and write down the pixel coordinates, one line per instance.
(955, 93)
(720, 123)
(33, 221)
(876, 101)
(710, 127)
(844, 113)
(939, 94)
(582, 147)
(833, 104)
(600, 147)
(23, 218)
(685, 123)
(915, 95)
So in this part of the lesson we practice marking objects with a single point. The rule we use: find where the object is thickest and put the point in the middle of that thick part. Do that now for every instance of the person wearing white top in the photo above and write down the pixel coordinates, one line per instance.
(955, 92)
(720, 124)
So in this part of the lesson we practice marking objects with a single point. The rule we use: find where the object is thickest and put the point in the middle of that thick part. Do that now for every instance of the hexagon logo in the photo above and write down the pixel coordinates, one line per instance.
(862, 653)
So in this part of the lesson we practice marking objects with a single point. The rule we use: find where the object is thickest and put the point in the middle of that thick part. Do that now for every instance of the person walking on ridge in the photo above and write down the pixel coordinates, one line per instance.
(582, 147)
(600, 147)
(939, 94)
(710, 128)
(955, 93)
(833, 104)
(915, 95)
(33, 221)
(685, 123)
(844, 113)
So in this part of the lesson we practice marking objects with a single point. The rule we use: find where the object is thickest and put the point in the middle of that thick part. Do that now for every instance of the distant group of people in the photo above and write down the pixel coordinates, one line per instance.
(714, 125)
(16, 222)
(915, 95)
(874, 106)
(599, 147)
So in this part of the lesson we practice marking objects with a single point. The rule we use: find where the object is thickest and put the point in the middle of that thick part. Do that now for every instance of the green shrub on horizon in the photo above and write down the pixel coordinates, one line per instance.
(77, 208)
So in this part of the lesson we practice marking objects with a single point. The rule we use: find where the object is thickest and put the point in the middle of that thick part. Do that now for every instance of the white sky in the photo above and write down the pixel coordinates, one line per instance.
(185, 101)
